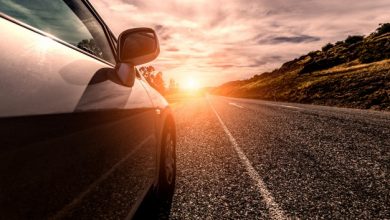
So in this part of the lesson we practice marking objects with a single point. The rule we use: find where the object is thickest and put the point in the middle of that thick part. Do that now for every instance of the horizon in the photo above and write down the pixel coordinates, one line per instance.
(237, 40)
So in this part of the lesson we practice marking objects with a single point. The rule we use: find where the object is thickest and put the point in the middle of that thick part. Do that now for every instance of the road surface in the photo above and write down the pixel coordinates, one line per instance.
(251, 159)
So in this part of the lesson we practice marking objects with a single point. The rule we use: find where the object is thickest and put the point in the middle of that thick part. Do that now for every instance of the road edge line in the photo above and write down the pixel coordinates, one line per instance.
(236, 105)
(275, 211)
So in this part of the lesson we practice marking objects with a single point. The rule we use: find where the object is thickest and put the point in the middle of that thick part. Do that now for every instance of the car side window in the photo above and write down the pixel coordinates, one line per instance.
(68, 20)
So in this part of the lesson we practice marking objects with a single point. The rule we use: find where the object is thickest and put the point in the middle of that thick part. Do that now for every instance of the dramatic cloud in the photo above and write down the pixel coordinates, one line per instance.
(221, 40)
(292, 39)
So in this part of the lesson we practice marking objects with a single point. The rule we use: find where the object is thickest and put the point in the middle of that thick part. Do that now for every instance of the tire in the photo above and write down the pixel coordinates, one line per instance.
(167, 173)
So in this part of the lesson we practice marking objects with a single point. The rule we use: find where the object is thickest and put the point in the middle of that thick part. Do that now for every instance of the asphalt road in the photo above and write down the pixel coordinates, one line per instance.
(251, 159)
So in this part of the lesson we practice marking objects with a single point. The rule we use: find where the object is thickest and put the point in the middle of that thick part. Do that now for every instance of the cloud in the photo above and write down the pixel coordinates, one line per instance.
(126, 8)
(172, 49)
(163, 32)
(221, 40)
(291, 39)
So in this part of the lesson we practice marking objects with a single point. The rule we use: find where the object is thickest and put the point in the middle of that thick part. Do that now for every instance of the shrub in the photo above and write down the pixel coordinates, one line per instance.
(383, 29)
(314, 53)
(353, 39)
(327, 47)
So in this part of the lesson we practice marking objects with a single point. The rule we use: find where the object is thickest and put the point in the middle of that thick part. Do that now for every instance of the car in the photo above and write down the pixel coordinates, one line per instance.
(82, 134)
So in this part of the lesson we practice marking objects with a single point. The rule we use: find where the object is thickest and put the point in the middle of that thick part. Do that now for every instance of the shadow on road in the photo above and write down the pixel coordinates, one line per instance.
(152, 209)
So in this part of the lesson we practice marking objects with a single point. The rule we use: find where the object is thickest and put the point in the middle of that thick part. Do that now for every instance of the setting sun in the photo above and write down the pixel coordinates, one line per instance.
(191, 84)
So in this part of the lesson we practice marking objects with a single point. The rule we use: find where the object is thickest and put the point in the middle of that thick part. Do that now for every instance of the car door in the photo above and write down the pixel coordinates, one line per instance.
(74, 141)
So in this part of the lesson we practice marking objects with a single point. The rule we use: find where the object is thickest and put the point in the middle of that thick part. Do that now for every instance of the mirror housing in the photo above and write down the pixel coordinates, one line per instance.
(138, 46)
(135, 47)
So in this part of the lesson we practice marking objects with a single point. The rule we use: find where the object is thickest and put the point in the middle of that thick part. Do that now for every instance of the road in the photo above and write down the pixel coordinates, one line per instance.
(251, 159)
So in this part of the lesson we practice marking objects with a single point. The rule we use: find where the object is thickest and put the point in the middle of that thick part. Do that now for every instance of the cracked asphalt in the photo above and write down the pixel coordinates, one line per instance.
(315, 162)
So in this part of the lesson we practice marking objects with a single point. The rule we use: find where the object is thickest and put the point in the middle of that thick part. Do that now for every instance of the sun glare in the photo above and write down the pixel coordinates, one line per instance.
(191, 84)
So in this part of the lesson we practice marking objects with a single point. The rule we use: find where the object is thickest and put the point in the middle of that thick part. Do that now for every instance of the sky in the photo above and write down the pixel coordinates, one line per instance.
(216, 41)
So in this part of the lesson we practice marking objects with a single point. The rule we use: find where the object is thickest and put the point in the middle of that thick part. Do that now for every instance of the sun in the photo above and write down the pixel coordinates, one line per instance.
(191, 84)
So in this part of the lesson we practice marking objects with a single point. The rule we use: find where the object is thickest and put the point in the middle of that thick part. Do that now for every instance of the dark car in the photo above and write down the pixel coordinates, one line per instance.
(82, 134)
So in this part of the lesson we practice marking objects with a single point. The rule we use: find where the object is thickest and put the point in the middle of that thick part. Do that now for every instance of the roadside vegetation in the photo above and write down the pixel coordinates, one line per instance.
(351, 73)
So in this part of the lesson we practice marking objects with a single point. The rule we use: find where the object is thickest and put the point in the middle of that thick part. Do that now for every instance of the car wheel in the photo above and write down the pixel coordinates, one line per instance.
(167, 177)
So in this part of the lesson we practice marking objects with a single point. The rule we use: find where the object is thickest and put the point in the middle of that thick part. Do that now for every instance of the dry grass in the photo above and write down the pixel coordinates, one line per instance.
(348, 85)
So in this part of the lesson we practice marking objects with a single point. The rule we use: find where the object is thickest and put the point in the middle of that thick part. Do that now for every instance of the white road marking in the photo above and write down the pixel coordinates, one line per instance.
(62, 213)
(275, 211)
(251, 101)
(234, 104)
(288, 106)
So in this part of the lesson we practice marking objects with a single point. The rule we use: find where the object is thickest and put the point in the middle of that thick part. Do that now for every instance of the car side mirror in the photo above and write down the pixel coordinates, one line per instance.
(135, 47)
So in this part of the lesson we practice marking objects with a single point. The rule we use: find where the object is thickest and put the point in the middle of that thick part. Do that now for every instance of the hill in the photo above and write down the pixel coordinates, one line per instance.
(350, 73)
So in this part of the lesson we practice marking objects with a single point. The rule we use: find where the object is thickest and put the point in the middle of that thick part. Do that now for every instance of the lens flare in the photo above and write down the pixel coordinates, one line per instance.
(191, 84)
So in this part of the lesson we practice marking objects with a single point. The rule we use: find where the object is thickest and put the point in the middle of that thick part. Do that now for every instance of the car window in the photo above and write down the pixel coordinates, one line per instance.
(69, 21)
